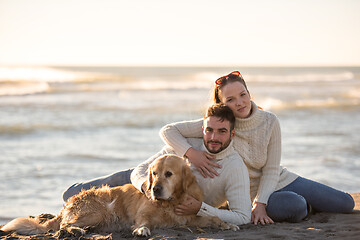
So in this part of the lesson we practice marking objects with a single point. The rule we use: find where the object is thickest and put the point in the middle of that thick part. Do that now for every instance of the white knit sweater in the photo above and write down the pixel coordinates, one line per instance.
(257, 140)
(232, 185)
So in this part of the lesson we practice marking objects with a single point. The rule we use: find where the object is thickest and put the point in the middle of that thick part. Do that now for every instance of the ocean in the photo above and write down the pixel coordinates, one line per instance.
(61, 125)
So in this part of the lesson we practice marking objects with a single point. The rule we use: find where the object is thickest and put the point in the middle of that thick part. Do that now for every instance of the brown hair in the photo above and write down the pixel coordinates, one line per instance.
(223, 112)
(222, 81)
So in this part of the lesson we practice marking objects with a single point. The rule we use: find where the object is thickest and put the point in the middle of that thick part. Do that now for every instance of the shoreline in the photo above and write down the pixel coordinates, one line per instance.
(319, 226)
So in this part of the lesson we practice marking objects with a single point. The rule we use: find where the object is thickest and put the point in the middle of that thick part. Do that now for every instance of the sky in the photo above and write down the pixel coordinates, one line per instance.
(186, 32)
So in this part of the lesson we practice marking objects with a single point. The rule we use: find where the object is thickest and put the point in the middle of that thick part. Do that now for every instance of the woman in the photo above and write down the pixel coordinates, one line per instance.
(277, 194)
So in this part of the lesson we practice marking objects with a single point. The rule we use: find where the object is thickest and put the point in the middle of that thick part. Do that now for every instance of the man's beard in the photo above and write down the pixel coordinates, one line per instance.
(222, 146)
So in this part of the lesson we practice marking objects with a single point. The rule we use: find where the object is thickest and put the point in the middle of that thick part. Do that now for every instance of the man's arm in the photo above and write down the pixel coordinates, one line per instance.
(237, 191)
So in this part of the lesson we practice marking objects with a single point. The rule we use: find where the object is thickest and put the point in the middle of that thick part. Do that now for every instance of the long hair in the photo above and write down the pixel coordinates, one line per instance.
(222, 81)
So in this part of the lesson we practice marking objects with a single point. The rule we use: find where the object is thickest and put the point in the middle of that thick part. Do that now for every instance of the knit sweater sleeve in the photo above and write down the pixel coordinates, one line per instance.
(175, 134)
(271, 170)
(237, 192)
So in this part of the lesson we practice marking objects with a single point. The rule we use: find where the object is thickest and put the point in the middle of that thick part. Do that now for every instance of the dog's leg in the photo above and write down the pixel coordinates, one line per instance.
(142, 226)
(74, 230)
(141, 231)
(213, 222)
(54, 223)
(75, 224)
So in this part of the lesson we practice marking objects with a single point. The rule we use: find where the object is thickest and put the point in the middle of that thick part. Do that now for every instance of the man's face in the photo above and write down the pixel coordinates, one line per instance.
(217, 134)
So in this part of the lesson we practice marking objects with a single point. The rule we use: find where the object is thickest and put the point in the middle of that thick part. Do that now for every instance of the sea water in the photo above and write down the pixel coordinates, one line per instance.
(61, 125)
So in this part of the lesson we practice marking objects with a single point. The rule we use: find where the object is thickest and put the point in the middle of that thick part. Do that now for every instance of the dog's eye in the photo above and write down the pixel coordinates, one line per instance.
(154, 173)
(168, 174)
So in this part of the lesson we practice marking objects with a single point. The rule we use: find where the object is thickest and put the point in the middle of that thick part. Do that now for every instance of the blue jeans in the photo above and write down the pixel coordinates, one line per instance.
(112, 180)
(290, 203)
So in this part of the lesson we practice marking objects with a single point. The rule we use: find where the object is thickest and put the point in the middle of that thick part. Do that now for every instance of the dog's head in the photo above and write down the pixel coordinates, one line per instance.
(169, 178)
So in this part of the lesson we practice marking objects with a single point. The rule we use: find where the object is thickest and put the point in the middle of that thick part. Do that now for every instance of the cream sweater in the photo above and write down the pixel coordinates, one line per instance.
(257, 140)
(232, 185)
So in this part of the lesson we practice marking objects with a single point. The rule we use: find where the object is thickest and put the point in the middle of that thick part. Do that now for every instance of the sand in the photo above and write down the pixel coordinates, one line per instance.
(319, 226)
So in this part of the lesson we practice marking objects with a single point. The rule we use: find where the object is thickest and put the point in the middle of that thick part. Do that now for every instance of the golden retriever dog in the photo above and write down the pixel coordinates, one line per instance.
(113, 209)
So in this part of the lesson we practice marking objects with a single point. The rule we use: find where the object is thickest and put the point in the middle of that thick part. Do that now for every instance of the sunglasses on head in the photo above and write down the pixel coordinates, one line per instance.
(232, 75)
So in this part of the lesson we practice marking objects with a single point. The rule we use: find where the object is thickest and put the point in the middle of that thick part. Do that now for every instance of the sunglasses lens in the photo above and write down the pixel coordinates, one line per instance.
(231, 75)
(219, 81)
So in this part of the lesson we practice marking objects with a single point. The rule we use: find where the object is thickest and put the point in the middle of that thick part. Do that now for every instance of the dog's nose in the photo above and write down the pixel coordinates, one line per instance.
(157, 190)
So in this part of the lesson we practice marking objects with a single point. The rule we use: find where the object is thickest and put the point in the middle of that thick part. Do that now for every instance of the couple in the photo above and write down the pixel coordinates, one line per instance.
(276, 193)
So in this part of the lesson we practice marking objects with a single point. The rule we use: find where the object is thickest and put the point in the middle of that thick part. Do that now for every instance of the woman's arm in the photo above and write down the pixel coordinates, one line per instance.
(175, 134)
(269, 178)
(271, 170)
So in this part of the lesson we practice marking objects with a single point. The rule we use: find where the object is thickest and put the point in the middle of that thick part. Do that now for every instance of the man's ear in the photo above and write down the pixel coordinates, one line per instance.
(232, 134)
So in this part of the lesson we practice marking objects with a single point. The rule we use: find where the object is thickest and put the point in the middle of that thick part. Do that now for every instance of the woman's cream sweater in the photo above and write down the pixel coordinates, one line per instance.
(257, 140)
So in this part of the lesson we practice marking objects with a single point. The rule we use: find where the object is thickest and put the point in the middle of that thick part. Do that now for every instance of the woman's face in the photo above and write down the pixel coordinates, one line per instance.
(235, 96)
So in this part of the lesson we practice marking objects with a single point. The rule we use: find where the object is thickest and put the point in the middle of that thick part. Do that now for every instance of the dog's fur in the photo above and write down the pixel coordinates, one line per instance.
(113, 209)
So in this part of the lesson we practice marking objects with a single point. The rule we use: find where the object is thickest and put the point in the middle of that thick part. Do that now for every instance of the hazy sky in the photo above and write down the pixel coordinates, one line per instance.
(186, 32)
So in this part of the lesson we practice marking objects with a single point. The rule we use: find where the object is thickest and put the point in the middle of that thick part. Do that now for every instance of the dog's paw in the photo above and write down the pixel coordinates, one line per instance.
(142, 232)
(229, 226)
(78, 232)
(234, 227)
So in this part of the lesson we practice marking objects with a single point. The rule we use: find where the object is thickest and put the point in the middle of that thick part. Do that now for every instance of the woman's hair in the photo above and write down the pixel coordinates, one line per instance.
(223, 112)
(222, 81)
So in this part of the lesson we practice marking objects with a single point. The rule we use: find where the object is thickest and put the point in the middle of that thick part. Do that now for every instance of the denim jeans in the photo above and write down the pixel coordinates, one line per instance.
(112, 180)
(290, 203)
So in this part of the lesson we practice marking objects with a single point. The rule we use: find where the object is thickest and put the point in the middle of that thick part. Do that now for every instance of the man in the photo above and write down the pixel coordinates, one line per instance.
(231, 185)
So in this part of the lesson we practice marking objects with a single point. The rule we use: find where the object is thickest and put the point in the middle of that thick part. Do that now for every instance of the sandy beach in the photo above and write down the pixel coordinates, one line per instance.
(319, 226)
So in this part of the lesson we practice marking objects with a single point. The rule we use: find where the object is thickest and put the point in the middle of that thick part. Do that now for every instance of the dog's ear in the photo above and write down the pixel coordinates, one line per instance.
(190, 185)
(187, 178)
(149, 180)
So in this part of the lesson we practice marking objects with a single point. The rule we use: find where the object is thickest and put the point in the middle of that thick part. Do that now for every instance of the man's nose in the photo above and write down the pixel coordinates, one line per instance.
(213, 135)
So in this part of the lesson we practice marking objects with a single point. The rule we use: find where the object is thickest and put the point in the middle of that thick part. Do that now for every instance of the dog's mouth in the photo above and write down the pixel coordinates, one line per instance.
(162, 199)
(157, 193)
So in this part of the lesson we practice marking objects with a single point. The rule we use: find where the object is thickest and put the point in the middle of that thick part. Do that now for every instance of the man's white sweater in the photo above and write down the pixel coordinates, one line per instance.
(257, 140)
(231, 186)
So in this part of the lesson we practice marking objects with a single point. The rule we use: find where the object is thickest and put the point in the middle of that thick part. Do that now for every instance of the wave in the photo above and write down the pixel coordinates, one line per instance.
(18, 129)
(22, 129)
(12, 89)
(353, 93)
(93, 157)
(36, 74)
(304, 77)
(276, 104)
(52, 75)
(27, 80)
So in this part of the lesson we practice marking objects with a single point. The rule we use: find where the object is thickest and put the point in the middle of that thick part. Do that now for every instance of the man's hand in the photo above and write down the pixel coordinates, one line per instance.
(202, 163)
(259, 215)
(190, 206)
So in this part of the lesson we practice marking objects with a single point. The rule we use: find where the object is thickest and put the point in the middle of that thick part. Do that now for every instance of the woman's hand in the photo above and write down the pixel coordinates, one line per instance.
(259, 215)
(190, 206)
(202, 163)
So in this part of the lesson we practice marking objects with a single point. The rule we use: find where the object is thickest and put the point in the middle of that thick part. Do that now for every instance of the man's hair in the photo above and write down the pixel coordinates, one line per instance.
(223, 112)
